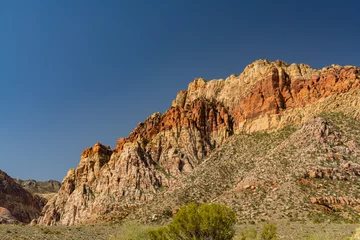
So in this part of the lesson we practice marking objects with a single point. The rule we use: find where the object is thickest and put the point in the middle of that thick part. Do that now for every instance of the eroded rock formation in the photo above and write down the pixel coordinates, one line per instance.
(266, 95)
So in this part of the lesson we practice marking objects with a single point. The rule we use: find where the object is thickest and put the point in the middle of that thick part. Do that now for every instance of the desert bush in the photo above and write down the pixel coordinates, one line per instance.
(193, 222)
(268, 232)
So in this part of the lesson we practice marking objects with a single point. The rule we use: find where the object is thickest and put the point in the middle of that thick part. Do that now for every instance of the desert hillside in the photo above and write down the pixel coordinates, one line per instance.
(301, 172)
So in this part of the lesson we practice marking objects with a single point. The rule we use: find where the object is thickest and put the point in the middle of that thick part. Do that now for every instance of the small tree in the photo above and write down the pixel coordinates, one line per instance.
(195, 222)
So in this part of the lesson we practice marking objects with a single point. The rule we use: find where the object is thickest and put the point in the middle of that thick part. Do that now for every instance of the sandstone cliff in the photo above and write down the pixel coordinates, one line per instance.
(17, 204)
(166, 147)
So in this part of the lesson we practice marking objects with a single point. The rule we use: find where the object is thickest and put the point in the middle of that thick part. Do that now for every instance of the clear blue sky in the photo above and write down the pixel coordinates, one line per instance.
(76, 72)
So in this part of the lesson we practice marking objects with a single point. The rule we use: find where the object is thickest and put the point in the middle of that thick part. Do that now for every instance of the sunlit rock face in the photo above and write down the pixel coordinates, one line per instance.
(266, 95)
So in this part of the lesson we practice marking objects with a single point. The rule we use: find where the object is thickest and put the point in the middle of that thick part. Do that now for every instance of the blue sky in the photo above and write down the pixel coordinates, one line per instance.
(76, 72)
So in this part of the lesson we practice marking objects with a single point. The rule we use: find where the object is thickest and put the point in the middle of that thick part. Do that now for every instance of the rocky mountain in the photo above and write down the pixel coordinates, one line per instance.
(16, 203)
(211, 146)
(45, 189)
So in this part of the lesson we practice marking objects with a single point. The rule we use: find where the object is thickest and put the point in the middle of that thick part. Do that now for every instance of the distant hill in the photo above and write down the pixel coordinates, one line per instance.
(45, 189)
(278, 141)
(41, 187)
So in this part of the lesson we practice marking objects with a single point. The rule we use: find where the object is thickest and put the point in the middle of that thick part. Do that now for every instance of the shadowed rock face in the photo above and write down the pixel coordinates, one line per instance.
(266, 95)
(16, 202)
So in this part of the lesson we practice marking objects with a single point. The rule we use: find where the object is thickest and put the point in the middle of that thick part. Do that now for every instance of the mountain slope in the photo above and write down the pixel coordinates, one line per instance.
(17, 204)
(296, 173)
(166, 147)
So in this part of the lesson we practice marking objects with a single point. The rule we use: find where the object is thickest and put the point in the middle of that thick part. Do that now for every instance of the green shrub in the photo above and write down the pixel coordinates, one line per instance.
(193, 222)
(268, 232)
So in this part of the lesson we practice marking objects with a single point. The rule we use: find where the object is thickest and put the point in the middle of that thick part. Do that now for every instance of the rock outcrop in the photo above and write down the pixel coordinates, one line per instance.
(17, 204)
(265, 96)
